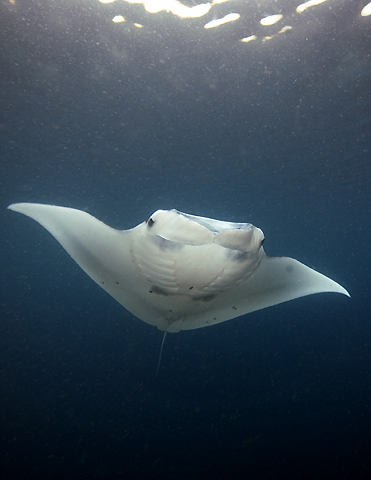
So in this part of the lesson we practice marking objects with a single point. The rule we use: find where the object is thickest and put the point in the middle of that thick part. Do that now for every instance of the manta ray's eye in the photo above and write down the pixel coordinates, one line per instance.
(261, 243)
(150, 222)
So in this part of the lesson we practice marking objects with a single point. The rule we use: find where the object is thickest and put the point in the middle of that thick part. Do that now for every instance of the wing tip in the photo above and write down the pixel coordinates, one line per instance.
(337, 288)
(24, 207)
(19, 207)
(345, 292)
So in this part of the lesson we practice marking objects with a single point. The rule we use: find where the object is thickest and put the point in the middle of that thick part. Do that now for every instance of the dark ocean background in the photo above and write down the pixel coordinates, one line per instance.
(120, 121)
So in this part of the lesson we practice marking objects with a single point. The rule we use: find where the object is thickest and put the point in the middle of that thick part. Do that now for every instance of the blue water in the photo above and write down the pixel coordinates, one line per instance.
(121, 121)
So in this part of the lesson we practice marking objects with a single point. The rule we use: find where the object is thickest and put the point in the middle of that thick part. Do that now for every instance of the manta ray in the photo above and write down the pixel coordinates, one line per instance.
(178, 271)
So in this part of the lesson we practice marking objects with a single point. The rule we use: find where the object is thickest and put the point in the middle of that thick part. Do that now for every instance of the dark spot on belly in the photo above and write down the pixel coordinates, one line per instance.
(289, 269)
(204, 298)
(158, 291)
(238, 256)
(164, 244)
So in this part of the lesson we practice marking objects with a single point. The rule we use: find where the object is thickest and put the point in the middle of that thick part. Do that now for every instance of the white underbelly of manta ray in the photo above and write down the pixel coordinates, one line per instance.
(178, 271)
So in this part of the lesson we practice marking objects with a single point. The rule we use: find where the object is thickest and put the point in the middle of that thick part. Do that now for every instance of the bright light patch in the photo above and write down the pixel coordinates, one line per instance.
(138, 25)
(190, 12)
(285, 29)
(118, 19)
(249, 39)
(107, 1)
(175, 7)
(271, 20)
(220, 21)
(366, 10)
(309, 4)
